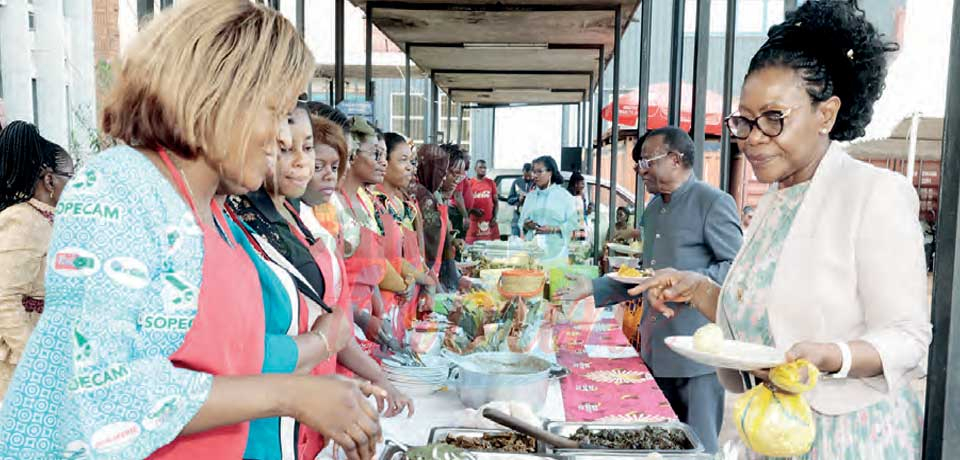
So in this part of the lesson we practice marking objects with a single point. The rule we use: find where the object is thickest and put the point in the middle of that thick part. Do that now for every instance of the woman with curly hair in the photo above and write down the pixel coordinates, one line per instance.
(832, 269)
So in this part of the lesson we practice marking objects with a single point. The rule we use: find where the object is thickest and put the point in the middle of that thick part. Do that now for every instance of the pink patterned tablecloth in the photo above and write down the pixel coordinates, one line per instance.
(601, 389)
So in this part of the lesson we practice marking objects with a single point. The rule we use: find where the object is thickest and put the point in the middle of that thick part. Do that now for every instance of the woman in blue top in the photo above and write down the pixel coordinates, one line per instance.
(549, 213)
(151, 342)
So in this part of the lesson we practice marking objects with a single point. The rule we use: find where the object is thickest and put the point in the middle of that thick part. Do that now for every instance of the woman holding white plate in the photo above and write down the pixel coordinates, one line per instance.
(832, 268)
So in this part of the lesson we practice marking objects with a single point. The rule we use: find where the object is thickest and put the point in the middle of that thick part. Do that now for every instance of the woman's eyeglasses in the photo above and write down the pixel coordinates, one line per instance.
(770, 123)
(376, 153)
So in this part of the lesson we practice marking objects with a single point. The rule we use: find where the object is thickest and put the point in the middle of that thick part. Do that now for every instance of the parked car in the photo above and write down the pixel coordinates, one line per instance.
(504, 179)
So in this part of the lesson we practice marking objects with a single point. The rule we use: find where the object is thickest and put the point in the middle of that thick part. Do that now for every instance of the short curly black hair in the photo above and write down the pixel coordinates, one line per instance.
(837, 52)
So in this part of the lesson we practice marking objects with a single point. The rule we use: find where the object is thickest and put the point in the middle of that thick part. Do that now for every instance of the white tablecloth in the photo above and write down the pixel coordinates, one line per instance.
(444, 409)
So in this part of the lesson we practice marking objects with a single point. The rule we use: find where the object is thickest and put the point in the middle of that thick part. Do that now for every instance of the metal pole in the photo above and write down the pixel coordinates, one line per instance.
(564, 126)
(580, 124)
(434, 115)
(598, 168)
(338, 58)
(588, 128)
(368, 65)
(941, 433)
(301, 20)
(701, 56)
(615, 129)
(407, 124)
(493, 133)
(643, 101)
(676, 64)
(460, 129)
(448, 133)
(330, 93)
(729, 49)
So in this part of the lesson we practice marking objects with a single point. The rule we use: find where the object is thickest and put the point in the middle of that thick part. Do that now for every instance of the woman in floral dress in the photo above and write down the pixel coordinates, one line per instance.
(832, 268)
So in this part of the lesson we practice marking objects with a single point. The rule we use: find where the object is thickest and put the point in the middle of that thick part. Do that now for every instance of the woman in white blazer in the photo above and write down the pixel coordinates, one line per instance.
(832, 267)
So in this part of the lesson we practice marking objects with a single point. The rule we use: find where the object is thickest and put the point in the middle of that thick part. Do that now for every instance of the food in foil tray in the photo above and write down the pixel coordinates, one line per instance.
(495, 442)
(646, 438)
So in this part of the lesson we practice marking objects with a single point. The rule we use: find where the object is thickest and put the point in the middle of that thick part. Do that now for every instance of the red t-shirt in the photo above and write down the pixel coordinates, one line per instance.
(483, 192)
(464, 188)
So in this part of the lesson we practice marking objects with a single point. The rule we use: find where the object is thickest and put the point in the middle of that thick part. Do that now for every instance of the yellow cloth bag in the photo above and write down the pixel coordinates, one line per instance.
(778, 422)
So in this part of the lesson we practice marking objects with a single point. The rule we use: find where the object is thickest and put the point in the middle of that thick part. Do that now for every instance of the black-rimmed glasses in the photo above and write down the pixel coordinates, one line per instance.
(770, 123)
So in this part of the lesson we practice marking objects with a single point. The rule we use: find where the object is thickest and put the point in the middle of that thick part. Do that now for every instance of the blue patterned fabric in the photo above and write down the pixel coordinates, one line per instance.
(123, 280)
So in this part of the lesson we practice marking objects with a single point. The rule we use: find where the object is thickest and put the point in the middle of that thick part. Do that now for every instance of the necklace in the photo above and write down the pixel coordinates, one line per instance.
(47, 214)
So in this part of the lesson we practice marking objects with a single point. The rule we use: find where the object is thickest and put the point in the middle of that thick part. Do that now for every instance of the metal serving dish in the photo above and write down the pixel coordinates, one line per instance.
(566, 429)
(393, 452)
(650, 456)
(439, 434)
(504, 376)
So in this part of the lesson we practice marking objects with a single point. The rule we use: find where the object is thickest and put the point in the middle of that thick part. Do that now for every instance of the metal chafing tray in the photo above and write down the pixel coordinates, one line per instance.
(566, 429)
(650, 456)
(394, 452)
(439, 434)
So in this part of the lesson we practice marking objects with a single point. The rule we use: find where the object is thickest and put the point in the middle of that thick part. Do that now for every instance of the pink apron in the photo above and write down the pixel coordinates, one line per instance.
(227, 333)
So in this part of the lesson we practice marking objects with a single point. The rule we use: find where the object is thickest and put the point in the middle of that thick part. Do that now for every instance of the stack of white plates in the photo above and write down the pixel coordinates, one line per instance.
(418, 381)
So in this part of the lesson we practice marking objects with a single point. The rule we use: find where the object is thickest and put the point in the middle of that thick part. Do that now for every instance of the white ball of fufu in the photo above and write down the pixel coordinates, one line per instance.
(708, 338)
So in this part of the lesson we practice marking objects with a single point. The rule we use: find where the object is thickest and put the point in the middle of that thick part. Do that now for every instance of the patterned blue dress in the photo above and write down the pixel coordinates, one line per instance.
(123, 279)
(888, 430)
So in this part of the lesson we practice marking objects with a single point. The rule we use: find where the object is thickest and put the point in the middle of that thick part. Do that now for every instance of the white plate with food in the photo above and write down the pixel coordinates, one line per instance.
(727, 354)
(630, 275)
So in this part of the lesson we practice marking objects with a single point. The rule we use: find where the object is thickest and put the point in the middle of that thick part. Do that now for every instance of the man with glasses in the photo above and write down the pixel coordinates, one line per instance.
(688, 225)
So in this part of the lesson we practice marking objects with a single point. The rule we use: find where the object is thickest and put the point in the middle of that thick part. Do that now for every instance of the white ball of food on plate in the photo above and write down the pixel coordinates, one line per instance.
(708, 338)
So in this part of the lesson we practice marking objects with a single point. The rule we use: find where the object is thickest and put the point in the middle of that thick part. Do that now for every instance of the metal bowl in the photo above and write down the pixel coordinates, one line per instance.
(503, 376)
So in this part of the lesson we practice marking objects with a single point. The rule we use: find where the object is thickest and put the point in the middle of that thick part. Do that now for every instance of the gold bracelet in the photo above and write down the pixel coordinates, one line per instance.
(323, 337)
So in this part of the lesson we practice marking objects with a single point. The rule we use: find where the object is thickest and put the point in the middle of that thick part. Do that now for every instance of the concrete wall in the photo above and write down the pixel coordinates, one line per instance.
(59, 55)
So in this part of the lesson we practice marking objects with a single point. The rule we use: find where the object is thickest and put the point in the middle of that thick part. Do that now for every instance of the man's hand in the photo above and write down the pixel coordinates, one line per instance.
(669, 285)
(578, 288)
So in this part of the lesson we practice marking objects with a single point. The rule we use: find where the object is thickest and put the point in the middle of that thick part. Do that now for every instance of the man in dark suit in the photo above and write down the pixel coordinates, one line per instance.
(688, 225)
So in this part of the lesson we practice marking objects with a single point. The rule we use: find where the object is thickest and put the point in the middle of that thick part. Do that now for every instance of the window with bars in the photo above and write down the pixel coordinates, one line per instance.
(753, 16)
(36, 102)
(144, 10)
(418, 104)
(418, 117)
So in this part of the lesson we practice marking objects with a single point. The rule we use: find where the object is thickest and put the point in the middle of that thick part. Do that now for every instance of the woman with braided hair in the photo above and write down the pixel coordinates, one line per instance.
(33, 172)
(832, 267)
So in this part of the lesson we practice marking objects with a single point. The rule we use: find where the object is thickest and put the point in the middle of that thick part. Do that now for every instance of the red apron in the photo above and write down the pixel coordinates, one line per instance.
(444, 224)
(227, 333)
(365, 269)
(474, 232)
(393, 253)
(412, 254)
(310, 442)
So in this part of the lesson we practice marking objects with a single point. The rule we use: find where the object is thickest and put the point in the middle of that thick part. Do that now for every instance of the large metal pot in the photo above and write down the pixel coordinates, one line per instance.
(503, 376)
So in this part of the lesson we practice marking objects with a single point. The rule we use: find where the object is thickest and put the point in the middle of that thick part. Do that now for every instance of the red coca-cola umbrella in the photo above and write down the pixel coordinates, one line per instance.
(658, 112)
